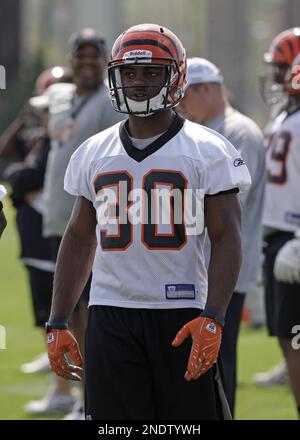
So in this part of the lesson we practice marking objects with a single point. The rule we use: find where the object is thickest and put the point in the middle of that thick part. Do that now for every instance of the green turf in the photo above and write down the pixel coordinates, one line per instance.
(257, 352)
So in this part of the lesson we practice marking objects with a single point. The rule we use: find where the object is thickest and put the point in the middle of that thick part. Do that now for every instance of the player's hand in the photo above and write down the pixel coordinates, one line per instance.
(206, 335)
(64, 354)
(287, 262)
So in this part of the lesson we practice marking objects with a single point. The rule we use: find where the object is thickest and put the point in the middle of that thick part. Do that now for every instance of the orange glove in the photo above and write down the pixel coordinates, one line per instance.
(206, 335)
(61, 346)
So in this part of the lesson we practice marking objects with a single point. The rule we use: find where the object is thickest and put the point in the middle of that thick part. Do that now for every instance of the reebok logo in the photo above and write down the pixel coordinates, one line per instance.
(238, 162)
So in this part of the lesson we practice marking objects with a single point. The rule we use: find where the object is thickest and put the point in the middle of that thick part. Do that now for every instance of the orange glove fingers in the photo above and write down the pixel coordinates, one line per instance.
(69, 375)
(206, 335)
(64, 354)
(181, 336)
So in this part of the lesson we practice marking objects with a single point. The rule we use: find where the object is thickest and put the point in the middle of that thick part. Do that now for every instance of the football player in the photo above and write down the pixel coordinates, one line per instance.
(150, 290)
(283, 50)
(282, 219)
(205, 102)
(287, 264)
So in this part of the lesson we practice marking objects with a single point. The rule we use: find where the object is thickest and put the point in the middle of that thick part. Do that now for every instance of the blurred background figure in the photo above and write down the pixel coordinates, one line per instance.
(3, 221)
(283, 49)
(75, 114)
(26, 180)
(282, 220)
(205, 102)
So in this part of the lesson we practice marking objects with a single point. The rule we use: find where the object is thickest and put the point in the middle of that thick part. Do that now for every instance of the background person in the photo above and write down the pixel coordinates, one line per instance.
(205, 102)
(75, 113)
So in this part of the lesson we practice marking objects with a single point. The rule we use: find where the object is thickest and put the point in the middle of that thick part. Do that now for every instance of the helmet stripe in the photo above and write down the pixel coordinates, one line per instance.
(147, 42)
(161, 34)
(290, 53)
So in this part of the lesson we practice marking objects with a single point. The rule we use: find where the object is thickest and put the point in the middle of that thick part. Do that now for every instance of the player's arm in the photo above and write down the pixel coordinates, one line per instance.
(73, 267)
(223, 221)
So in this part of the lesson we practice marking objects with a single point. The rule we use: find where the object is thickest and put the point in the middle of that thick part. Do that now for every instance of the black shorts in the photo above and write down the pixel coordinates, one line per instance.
(133, 373)
(282, 299)
(41, 284)
(54, 244)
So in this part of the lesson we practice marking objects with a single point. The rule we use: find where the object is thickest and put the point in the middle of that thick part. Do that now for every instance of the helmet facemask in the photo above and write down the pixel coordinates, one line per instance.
(158, 96)
(272, 83)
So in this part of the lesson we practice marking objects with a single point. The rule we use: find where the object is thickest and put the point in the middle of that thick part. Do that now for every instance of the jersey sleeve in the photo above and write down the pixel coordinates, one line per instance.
(226, 172)
(76, 181)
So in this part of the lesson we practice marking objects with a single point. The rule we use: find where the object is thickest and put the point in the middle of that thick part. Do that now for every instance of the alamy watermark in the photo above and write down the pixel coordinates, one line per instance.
(163, 207)
(2, 78)
(296, 339)
(295, 74)
(2, 338)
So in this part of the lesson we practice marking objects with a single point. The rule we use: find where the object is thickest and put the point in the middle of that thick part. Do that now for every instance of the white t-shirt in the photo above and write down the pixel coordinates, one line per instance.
(157, 266)
(282, 201)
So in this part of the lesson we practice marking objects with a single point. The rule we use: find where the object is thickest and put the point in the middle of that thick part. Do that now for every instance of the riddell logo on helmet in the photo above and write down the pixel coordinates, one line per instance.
(137, 54)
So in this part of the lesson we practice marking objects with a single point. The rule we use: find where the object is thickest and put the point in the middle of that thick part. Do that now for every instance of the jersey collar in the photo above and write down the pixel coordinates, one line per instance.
(140, 155)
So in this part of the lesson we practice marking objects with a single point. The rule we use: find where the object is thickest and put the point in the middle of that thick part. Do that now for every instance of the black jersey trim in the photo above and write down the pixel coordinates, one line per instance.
(140, 155)
(221, 193)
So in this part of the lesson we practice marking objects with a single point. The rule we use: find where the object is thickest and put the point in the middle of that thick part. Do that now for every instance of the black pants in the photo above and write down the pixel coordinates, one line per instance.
(41, 284)
(133, 372)
(229, 347)
(282, 299)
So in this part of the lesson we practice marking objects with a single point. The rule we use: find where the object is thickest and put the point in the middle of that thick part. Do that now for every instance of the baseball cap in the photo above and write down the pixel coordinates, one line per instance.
(86, 36)
(200, 70)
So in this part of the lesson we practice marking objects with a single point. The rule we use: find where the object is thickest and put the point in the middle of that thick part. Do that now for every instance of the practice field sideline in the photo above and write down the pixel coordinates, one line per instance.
(257, 352)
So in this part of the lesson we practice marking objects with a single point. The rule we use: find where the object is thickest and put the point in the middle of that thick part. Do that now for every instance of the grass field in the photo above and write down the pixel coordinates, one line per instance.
(257, 352)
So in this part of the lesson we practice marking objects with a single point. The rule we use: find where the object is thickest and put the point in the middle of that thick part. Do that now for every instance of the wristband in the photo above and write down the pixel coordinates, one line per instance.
(57, 324)
(213, 314)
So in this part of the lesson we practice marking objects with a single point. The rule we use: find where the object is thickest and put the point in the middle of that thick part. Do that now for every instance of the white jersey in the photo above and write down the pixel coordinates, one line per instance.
(151, 264)
(282, 201)
(277, 116)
